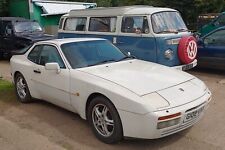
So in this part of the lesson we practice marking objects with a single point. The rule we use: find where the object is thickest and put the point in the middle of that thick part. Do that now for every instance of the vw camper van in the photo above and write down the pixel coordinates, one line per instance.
(149, 33)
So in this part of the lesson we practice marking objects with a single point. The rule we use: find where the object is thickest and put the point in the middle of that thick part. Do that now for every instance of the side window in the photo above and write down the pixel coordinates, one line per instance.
(50, 54)
(220, 21)
(102, 24)
(75, 24)
(217, 38)
(7, 28)
(135, 24)
(34, 54)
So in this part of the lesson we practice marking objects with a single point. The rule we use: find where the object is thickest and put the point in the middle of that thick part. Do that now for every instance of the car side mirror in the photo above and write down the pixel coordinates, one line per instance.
(9, 31)
(53, 66)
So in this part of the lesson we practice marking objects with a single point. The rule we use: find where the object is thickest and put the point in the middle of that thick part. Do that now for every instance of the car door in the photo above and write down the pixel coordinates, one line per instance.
(213, 50)
(49, 84)
(8, 36)
(1, 39)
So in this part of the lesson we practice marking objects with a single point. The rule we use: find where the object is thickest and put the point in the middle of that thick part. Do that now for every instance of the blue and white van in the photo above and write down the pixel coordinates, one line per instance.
(149, 33)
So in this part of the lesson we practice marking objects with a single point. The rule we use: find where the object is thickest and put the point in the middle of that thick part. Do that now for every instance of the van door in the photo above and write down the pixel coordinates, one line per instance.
(134, 37)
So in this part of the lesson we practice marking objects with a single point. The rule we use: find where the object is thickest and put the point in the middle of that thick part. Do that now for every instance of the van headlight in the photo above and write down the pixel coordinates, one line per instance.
(168, 54)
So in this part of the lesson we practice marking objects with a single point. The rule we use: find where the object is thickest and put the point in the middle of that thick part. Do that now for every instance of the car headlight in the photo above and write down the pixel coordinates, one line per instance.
(168, 123)
(155, 100)
(199, 83)
(169, 54)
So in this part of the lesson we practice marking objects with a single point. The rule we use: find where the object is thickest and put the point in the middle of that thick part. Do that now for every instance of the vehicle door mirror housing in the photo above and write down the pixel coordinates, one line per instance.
(9, 32)
(53, 66)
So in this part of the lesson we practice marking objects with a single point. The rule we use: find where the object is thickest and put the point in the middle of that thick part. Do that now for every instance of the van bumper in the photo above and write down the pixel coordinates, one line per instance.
(187, 66)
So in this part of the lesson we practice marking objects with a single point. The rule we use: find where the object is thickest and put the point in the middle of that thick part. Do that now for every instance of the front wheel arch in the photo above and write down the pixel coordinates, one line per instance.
(91, 97)
(103, 100)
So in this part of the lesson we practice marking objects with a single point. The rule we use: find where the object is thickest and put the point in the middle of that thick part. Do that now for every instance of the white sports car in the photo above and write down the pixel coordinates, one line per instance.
(120, 96)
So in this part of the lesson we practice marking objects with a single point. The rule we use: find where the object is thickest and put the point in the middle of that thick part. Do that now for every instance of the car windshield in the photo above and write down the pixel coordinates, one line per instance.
(168, 22)
(27, 27)
(91, 53)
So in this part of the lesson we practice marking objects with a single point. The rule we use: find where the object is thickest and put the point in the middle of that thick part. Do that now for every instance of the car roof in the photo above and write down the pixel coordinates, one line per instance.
(116, 11)
(68, 40)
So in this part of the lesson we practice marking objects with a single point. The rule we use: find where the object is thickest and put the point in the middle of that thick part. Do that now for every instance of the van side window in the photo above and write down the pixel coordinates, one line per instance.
(102, 24)
(75, 24)
(135, 24)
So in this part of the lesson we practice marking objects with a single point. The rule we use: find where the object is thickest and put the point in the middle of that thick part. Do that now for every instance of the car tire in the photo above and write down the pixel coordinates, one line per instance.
(22, 90)
(104, 120)
(1, 55)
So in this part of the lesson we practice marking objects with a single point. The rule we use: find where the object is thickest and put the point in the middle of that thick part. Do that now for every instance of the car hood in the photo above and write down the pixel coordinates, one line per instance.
(36, 36)
(138, 76)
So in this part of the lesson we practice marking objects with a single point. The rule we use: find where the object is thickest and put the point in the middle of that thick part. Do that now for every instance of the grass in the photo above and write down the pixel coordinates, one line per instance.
(5, 85)
(7, 93)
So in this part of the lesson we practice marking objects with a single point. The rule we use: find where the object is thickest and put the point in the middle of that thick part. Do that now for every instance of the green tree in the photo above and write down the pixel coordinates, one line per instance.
(4, 7)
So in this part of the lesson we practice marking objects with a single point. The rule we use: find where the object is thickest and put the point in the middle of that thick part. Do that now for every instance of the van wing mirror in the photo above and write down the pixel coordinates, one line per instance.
(53, 66)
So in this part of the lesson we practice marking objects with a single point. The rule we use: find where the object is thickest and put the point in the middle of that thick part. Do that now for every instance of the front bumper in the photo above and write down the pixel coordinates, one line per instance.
(187, 66)
(145, 126)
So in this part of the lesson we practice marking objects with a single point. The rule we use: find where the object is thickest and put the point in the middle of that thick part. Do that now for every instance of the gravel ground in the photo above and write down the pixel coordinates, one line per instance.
(41, 125)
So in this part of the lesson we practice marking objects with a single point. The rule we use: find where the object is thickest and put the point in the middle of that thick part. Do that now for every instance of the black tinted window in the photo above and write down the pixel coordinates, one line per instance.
(217, 38)
(7, 28)
(50, 54)
(34, 54)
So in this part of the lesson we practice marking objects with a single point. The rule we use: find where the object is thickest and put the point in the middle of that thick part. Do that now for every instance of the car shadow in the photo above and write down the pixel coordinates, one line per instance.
(209, 71)
(68, 129)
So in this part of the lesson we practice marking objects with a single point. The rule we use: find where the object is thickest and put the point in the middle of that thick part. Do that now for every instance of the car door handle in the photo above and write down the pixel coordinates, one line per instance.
(37, 71)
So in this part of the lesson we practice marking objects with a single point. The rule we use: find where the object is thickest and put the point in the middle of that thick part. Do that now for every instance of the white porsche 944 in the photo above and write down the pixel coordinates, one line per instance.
(119, 96)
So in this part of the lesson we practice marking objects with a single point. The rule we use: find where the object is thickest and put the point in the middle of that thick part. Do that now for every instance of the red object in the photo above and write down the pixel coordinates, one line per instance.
(169, 117)
(187, 49)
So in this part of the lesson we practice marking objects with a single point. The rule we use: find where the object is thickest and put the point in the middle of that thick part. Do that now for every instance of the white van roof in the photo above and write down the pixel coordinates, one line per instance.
(119, 11)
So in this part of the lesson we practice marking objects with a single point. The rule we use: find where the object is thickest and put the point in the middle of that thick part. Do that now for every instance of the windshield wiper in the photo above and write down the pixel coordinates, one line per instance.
(103, 62)
(167, 31)
(182, 30)
(126, 57)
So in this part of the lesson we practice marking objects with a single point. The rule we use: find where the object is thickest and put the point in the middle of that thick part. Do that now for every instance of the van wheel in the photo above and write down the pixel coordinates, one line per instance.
(22, 90)
(104, 120)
